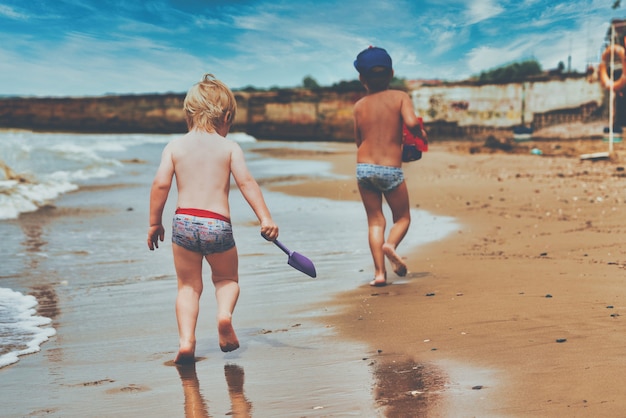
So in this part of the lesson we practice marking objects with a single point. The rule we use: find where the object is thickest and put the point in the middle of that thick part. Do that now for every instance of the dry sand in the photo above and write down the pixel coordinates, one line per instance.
(518, 313)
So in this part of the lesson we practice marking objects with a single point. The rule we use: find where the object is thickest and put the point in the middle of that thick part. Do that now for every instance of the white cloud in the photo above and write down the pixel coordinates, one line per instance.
(479, 10)
(264, 43)
(485, 57)
(10, 13)
(84, 65)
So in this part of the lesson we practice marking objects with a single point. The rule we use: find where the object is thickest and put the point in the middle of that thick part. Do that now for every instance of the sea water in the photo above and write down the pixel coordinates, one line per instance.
(36, 169)
(22, 331)
(72, 222)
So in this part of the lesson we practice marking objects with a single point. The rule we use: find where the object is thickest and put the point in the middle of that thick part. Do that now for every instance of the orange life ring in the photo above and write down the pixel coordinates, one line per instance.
(620, 54)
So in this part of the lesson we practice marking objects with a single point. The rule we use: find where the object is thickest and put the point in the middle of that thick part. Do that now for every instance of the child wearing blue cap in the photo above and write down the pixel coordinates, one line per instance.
(378, 120)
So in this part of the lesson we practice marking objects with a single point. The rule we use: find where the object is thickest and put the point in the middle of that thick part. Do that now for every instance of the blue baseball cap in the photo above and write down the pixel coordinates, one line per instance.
(370, 58)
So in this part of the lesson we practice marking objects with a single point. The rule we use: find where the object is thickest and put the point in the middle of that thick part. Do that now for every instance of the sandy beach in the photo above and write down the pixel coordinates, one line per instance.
(110, 300)
(519, 313)
(515, 313)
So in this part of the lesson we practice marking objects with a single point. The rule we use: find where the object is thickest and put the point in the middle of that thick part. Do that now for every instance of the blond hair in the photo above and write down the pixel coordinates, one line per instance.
(207, 103)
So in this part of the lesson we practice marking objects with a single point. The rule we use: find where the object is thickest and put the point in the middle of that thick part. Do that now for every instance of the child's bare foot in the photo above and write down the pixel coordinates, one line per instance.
(186, 354)
(379, 282)
(399, 267)
(228, 338)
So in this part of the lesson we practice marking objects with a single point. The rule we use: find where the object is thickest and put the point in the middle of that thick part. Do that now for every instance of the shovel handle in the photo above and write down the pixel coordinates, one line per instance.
(279, 245)
(282, 247)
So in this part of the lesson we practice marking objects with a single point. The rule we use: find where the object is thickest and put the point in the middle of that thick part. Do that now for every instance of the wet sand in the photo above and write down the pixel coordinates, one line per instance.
(472, 329)
(111, 302)
(519, 313)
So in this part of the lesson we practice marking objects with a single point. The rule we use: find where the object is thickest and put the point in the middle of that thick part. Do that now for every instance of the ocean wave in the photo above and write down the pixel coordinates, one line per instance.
(82, 174)
(21, 331)
(40, 167)
(84, 154)
(18, 197)
(241, 137)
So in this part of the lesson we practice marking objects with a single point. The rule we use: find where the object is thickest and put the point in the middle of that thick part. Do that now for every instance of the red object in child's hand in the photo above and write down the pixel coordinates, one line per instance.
(413, 145)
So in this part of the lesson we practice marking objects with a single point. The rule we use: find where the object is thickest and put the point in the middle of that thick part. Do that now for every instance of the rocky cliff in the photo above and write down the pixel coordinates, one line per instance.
(450, 110)
(110, 114)
(281, 115)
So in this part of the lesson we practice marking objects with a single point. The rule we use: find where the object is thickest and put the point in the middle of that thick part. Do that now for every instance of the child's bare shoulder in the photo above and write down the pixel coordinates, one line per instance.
(177, 141)
(399, 94)
(360, 101)
(171, 144)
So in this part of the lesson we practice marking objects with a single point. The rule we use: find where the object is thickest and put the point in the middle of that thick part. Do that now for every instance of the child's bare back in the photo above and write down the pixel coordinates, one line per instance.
(202, 161)
(378, 127)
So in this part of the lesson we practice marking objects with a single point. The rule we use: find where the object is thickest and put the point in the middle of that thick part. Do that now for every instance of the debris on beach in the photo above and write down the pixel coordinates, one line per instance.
(595, 156)
(416, 392)
(9, 174)
(493, 143)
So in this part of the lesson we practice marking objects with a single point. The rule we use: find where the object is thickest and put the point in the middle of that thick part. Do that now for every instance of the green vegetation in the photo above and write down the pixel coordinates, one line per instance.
(309, 83)
(398, 83)
(517, 71)
(512, 72)
(250, 89)
(349, 86)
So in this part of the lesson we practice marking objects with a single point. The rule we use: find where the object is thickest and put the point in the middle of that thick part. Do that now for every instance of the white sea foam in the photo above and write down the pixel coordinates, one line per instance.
(17, 197)
(38, 168)
(86, 154)
(21, 330)
(41, 167)
(241, 137)
(81, 174)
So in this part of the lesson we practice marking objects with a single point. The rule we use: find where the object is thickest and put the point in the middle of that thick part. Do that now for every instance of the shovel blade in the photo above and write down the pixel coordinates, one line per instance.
(302, 263)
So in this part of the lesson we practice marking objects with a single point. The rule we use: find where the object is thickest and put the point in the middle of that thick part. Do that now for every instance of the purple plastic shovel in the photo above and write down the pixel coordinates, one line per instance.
(297, 260)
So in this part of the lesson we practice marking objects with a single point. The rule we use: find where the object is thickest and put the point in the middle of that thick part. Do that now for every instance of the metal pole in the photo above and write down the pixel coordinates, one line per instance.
(611, 92)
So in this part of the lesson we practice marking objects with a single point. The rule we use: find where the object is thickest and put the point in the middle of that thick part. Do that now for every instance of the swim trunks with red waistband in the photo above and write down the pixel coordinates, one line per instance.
(201, 213)
(202, 231)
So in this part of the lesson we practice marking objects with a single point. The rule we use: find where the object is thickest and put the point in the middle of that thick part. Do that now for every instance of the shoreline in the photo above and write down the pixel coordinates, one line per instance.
(112, 304)
(469, 331)
(520, 308)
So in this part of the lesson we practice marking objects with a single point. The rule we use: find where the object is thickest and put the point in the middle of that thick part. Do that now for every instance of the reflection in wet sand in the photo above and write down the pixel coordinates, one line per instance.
(240, 406)
(404, 385)
(195, 404)
(33, 226)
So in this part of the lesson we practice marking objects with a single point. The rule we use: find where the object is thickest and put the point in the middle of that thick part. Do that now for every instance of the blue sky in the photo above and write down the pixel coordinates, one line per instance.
(97, 47)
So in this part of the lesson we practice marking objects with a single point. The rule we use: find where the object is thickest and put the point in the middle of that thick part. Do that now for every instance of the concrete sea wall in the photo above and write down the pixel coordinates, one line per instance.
(535, 104)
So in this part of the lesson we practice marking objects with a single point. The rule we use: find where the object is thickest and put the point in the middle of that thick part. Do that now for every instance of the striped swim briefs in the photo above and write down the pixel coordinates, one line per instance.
(378, 178)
